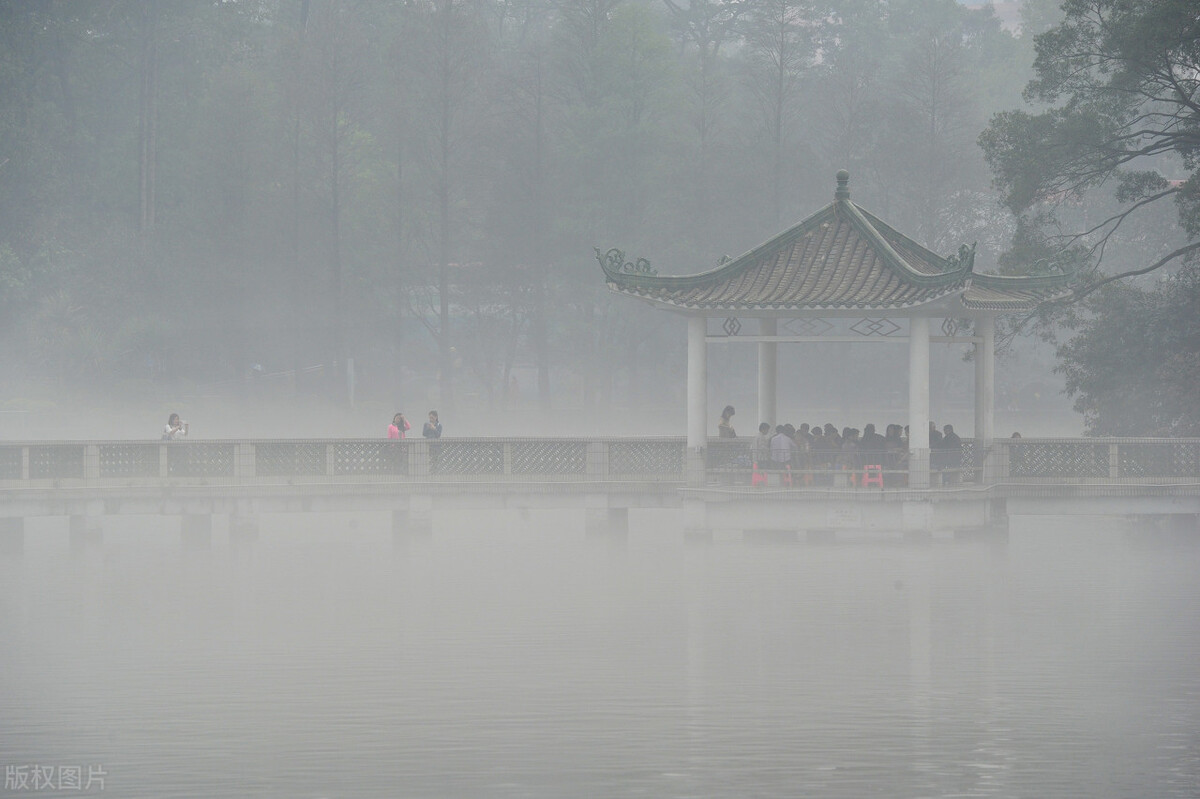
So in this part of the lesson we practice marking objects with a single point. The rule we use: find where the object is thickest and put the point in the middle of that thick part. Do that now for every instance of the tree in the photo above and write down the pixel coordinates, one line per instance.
(780, 50)
(450, 60)
(1122, 80)
(1134, 366)
(708, 25)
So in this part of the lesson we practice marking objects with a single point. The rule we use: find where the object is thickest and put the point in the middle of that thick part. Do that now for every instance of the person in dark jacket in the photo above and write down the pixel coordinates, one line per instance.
(432, 428)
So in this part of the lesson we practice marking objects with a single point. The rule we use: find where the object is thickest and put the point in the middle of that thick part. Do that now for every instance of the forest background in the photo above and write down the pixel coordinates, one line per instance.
(228, 208)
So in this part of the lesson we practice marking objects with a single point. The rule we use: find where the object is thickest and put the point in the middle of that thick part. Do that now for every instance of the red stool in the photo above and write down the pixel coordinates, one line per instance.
(872, 475)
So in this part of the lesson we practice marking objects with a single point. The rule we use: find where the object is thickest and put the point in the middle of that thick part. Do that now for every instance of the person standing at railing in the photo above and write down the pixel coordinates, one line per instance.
(175, 428)
(945, 453)
(433, 428)
(398, 426)
(783, 449)
(725, 427)
(760, 452)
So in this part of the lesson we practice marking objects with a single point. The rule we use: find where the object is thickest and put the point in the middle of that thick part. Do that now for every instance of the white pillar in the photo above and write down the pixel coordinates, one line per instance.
(697, 383)
(985, 379)
(918, 402)
(768, 374)
(697, 413)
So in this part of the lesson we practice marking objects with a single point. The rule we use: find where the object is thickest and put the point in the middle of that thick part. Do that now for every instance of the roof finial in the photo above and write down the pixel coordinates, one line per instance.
(843, 187)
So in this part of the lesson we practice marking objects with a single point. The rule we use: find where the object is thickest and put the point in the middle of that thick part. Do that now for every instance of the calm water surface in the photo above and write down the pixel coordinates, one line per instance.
(510, 657)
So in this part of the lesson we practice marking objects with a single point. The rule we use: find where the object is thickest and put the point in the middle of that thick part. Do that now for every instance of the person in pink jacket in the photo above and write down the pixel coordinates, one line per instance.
(398, 426)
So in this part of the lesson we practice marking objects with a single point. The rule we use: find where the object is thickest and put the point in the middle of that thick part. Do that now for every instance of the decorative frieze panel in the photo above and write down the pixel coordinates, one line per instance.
(370, 457)
(1058, 459)
(875, 327)
(651, 456)
(1159, 459)
(129, 459)
(549, 457)
(956, 327)
(808, 326)
(56, 461)
(466, 457)
(10, 463)
(290, 459)
(199, 459)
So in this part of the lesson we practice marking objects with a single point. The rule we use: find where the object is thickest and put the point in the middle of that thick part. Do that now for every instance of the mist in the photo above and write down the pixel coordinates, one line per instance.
(253, 214)
(288, 222)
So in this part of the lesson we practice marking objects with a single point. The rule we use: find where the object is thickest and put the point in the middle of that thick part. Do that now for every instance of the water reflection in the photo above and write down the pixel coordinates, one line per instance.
(510, 656)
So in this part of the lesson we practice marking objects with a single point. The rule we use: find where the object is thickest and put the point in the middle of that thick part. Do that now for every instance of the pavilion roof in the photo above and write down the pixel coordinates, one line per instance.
(841, 258)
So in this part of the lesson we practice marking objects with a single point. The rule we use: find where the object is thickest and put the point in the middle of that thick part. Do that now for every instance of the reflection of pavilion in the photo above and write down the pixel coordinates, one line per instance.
(842, 274)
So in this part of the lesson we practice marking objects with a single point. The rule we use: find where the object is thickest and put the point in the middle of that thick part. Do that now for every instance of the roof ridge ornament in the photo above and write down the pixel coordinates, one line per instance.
(613, 262)
(964, 261)
(843, 185)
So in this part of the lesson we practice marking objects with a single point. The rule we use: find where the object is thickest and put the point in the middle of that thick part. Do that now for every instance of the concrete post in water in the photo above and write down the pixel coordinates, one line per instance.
(918, 402)
(84, 529)
(695, 522)
(595, 515)
(196, 530)
(12, 535)
(697, 388)
(768, 372)
(985, 380)
(243, 522)
(415, 521)
(601, 521)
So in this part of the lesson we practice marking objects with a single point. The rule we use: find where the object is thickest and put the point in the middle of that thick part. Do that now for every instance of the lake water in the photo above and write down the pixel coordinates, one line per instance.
(510, 657)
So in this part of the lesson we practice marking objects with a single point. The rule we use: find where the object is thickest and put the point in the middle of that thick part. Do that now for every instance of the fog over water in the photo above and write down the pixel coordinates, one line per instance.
(510, 656)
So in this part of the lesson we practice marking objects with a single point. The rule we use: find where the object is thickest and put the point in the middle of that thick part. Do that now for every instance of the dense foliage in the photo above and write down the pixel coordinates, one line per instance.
(1134, 365)
(194, 191)
(1107, 176)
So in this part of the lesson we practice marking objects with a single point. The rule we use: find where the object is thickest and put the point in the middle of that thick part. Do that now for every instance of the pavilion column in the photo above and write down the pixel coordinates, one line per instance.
(768, 374)
(985, 379)
(697, 387)
(918, 402)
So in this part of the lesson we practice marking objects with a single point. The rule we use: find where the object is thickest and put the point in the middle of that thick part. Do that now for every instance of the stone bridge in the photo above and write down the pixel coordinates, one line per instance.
(716, 487)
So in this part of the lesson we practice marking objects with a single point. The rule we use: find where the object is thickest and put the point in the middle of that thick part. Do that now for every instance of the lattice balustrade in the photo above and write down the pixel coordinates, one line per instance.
(1060, 459)
(199, 459)
(549, 457)
(729, 454)
(10, 463)
(649, 457)
(371, 457)
(129, 459)
(972, 460)
(466, 457)
(56, 461)
(1166, 459)
(290, 458)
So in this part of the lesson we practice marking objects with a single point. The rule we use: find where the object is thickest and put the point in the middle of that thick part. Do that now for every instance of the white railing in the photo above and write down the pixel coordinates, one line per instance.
(499, 459)
(649, 460)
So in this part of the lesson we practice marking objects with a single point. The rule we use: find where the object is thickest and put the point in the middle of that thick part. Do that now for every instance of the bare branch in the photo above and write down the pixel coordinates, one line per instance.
(1182, 251)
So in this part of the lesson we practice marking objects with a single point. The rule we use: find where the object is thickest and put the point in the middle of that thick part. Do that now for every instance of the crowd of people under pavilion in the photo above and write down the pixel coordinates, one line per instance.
(821, 450)
(841, 274)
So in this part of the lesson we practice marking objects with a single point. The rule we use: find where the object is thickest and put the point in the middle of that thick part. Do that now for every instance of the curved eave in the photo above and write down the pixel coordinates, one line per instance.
(857, 219)
(1016, 294)
(669, 302)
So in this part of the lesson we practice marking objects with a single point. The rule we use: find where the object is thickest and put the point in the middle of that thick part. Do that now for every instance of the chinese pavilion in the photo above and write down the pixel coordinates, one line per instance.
(839, 265)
